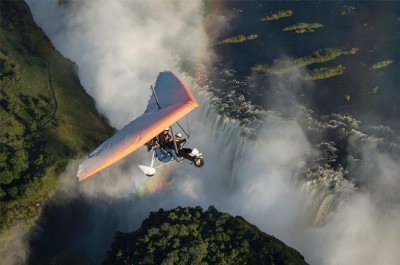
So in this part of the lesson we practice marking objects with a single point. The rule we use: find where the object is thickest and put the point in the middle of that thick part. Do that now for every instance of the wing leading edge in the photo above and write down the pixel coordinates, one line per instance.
(176, 101)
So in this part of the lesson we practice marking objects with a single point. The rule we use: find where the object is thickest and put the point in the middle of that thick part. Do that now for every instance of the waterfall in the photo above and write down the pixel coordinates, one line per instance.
(302, 177)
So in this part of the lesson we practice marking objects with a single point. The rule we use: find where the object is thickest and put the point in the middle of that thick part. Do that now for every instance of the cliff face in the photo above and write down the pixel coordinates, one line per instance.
(46, 117)
(194, 236)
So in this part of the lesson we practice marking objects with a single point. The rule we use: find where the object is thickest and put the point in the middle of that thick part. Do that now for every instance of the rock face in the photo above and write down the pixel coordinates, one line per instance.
(194, 236)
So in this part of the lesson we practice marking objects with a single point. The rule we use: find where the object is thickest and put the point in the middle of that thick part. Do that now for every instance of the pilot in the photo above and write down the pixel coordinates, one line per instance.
(164, 138)
(166, 143)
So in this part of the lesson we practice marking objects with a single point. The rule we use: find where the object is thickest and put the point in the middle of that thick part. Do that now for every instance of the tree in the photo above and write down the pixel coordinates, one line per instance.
(191, 236)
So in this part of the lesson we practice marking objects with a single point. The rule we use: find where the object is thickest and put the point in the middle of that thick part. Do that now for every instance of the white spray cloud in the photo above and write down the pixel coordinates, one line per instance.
(365, 230)
(120, 46)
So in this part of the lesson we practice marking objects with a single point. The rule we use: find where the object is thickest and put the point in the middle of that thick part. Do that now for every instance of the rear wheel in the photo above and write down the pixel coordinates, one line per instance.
(198, 162)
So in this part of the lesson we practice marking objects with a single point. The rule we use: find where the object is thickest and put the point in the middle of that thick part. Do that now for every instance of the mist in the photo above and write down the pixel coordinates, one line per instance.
(119, 48)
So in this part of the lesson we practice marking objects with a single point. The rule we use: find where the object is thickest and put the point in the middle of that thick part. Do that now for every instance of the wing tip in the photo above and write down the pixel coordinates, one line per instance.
(81, 174)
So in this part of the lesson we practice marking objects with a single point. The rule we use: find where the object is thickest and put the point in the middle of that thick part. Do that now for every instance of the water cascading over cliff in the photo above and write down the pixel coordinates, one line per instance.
(284, 171)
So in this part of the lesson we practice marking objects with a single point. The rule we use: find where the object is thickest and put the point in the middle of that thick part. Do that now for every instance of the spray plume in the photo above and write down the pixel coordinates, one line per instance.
(120, 46)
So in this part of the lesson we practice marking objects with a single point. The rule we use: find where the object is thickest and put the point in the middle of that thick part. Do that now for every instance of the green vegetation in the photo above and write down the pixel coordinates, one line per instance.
(277, 15)
(303, 27)
(46, 117)
(284, 66)
(191, 236)
(348, 10)
(324, 73)
(374, 90)
(381, 64)
(238, 39)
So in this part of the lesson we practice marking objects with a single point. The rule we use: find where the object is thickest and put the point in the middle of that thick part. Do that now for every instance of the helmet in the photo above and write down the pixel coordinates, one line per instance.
(166, 129)
(178, 135)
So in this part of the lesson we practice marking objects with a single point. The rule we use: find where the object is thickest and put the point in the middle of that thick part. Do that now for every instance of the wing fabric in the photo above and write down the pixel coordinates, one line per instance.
(175, 100)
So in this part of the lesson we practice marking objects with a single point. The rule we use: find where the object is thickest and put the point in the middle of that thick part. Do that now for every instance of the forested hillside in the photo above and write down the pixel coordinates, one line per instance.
(46, 117)
(191, 236)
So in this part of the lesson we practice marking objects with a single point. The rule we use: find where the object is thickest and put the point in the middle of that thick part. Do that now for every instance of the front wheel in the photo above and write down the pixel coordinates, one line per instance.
(198, 161)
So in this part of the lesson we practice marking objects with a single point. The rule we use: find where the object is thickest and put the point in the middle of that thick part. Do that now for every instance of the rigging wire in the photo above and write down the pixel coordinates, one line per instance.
(187, 134)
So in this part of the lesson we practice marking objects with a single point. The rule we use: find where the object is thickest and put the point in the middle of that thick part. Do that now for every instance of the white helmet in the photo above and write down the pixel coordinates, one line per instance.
(178, 135)
(166, 129)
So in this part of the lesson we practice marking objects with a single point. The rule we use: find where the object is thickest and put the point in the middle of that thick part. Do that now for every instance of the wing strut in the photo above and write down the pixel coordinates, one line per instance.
(155, 96)
(187, 134)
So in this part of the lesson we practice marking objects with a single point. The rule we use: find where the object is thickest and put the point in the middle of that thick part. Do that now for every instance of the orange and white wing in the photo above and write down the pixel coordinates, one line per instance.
(175, 101)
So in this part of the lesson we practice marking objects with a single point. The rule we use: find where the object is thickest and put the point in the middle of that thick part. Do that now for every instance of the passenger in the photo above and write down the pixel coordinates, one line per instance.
(180, 142)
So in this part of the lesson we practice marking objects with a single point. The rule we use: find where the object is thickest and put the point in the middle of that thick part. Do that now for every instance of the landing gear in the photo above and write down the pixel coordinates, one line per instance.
(193, 155)
(198, 161)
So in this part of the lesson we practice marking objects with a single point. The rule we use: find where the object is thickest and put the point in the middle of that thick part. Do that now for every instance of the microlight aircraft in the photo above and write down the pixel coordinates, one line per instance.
(171, 100)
